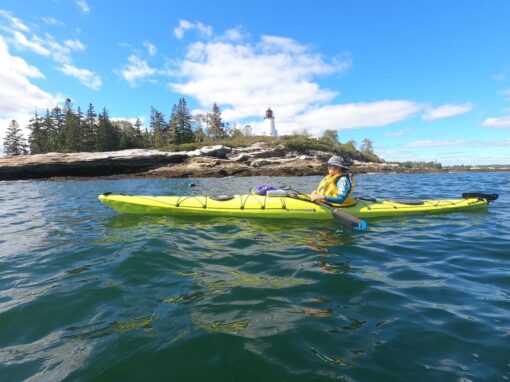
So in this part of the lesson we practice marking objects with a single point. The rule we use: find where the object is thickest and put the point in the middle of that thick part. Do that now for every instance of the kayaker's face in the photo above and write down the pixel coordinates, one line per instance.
(332, 170)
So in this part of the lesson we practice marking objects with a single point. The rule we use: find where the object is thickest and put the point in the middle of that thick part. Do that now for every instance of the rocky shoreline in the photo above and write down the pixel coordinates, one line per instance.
(209, 161)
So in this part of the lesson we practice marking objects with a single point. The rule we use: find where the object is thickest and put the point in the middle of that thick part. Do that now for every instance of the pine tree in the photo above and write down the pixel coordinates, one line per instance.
(89, 129)
(57, 135)
(170, 136)
(14, 142)
(215, 128)
(72, 131)
(50, 132)
(38, 138)
(180, 123)
(130, 136)
(138, 133)
(158, 127)
(147, 140)
(108, 136)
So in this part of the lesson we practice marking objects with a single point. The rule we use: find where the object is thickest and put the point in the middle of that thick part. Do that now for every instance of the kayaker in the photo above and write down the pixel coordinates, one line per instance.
(336, 187)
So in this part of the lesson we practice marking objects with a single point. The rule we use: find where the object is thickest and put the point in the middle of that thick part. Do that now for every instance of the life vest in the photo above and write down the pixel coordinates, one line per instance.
(328, 187)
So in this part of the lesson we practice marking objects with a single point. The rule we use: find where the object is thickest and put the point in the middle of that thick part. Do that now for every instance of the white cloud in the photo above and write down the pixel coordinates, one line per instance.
(51, 21)
(83, 5)
(498, 123)
(35, 45)
(233, 34)
(46, 45)
(136, 70)
(184, 25)
(397, 133)
(278, 44)
(17, 92)
(20, 98)
(357, 115)
(151, 48)
(85, 76)
(247, 78)
(74, 44)
(446, 111)
(14, 22)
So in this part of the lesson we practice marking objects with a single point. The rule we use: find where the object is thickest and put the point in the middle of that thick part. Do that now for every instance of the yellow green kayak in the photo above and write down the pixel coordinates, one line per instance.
(284, 207)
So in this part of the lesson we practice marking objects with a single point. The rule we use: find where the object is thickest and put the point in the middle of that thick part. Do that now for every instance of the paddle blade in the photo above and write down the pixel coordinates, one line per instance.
(480, 195)
(348, 220)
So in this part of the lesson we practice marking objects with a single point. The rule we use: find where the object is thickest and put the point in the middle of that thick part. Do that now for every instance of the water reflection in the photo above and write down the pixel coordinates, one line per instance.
(213, 232)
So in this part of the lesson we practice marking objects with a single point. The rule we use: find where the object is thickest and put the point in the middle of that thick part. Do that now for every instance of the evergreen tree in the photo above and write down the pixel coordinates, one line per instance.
(180, 123)
(129, 137)
(57, 134)
(38, 138)
(170, 136)
(50, 131)
(72, 130)
(89, 129)
(108, 136)
(158, 127)
(14, 142)
(147, 140)
(215, 127)
(138, 133)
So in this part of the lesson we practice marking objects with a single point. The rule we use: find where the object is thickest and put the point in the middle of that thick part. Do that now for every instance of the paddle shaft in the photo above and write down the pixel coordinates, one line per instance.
(344, 218)
(340, 216)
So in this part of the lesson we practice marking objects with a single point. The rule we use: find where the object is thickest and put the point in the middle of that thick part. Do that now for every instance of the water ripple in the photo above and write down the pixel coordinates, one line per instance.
(87, 293)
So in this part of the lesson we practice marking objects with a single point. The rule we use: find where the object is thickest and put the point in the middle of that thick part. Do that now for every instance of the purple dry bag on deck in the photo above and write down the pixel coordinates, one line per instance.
(262, 190)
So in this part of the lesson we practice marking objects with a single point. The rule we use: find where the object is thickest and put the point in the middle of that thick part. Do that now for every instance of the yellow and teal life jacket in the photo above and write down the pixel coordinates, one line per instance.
(328, 187)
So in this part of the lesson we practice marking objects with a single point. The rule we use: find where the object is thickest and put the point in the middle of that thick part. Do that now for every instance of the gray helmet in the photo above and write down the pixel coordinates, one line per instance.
(338, 161)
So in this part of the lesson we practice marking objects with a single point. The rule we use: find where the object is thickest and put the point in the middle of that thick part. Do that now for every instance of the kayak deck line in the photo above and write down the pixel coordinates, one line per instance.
(178, 203)
(434, 203)
(278, 207)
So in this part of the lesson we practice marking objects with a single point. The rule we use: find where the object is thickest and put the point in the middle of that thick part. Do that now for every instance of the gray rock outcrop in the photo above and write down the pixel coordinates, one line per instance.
(209, 161)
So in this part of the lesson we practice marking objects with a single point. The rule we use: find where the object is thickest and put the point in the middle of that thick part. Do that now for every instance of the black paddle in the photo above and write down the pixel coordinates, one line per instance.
(340, 216)
(480, 195)
(344, 218)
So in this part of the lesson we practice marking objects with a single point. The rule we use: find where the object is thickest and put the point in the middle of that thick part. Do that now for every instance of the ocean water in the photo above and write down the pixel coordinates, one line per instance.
(89, 294)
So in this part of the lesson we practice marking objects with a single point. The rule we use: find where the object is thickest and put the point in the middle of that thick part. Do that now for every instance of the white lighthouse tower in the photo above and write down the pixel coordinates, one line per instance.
(269, 128)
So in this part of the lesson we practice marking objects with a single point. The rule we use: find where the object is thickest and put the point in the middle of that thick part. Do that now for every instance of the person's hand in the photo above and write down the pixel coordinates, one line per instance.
(314, 197)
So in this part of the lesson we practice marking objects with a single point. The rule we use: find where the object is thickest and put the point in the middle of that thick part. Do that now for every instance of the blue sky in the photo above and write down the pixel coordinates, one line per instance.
(423, 80)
